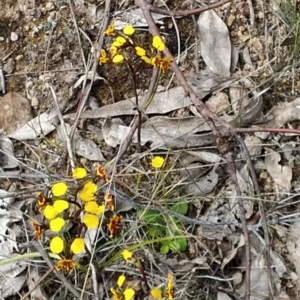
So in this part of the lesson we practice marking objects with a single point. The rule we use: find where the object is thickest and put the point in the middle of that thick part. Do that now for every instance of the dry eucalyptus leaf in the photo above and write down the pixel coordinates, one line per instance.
(41, 125)
(87, 76)
(163, 132)
(15, 112)
(232, 253)
(215, 43)
(204, 185)
(293, 245)
(283, 113)
(7, 157)
(206, 82)
(282, 175)
(88, 149)
(10, 286)
(223, 296)
(162, 103)
(33, 277)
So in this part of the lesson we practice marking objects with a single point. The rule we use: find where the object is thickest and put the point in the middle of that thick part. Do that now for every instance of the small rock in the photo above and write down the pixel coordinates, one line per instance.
(2, 38)
(34, 102)
(49, 6)
(19, 57)
(9, 67)
(14, 36)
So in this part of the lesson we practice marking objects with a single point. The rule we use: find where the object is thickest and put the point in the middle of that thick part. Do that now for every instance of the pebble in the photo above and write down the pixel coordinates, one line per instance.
(49, 6)
(14, 36)
(19, 57)
(34, 102)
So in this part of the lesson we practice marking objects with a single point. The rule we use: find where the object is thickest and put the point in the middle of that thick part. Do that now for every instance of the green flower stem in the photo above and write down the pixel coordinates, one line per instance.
(25, 256)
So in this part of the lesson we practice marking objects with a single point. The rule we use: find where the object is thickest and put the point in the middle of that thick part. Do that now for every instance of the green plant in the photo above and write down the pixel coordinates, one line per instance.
(161, 225)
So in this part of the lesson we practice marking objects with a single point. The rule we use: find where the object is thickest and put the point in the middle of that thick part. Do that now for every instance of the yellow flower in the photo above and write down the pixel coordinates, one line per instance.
(50, 212)
(90, 221)
(110, 31)
(91, 207)
(119, 41)
(82, 172)
(59, 189)
(109, 200)
(100, 210)
(67, 264)
(38, 230)
(56, 245)
(127, 255)
(140, 51)
(129, 293)
(117, 295)
(101, 173)
(77, 245)
(102, 60)
(114, 225)
(128, 30)
(57, 224)
(169, 292)
(113, 50)
(156, 293)
(157, 43)
(42, 201)
(60, 205)
(121, 280)
(88, 191)
(147, 60)
(157, 162)
(118, 58)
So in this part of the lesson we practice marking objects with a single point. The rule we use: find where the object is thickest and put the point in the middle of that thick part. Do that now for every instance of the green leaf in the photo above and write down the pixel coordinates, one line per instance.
(182, 244)
(151, 216)
(156, 231)
(164, 249)
(174, 246)
(180, 207)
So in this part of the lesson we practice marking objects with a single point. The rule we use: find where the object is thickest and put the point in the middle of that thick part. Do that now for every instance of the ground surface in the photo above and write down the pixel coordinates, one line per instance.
(40, 49)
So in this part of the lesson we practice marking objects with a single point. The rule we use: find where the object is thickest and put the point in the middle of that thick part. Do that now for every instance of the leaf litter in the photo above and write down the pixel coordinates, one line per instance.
(230, 95)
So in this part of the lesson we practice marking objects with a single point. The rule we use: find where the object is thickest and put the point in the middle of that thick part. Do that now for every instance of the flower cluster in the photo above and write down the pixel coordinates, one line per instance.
(128, 294)
(83, 207)
(123, 40)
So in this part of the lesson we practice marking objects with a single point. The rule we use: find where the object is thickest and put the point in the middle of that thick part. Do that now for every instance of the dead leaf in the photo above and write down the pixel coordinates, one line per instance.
(203, 185)
(41, 125)
(161, 132)
(282, 175)
(162, 103)
(214, 43)
(223, 296)
(8, 159)
(15, 111)
(283, 113)
(88, 149)
(33, 277)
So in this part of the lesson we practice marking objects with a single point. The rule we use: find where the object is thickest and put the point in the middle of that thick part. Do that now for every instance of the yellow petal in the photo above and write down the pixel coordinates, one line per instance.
(57, 224)
(77, 245)
(50, 212)
(61, 205)
(121, 280)
(110, 30)
(156, 293)
(140, 51)
(80, 172)
(100, 210)
(157, 162)
(147, 60)
(90, 221)
(56, 245)
(157, 43)
(118, 58)
(59, 189)
(91, 207)
(128, 30)
(127, 255)
(129, 294)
